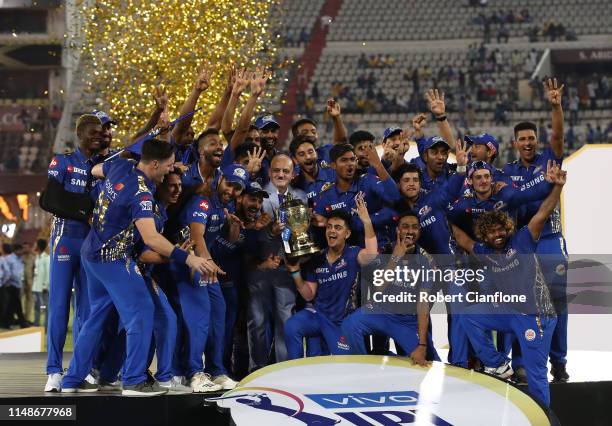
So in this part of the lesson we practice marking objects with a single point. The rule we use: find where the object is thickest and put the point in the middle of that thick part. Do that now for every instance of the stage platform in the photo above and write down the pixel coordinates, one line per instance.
(22, 379)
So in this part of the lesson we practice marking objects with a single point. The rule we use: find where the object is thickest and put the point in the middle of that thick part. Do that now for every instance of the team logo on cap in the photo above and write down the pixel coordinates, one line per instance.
(530, 334)
(240, 172)
(268, 118)
(203, 205)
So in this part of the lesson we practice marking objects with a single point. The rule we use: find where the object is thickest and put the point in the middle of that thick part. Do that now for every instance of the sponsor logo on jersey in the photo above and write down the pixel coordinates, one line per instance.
(53, 163)
(203, 205)
(424, 210)
(119, 186)
(530, 334)
(72, 169)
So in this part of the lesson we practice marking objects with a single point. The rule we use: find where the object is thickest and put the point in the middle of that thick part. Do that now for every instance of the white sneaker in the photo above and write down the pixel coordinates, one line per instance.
(54, 382)
(225, 382)
(200, 383)
(503, 371)
(91, 379)
(176, 386)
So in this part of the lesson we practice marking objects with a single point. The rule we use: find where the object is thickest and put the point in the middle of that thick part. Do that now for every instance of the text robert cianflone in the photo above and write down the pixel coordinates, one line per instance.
(411, 276)
(469, 297)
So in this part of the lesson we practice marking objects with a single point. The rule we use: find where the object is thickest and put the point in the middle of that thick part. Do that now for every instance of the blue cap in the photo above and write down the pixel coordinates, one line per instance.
(480, 165)
(237, 174)
(266, 120)
(104, 117)
(254, 188)
(390, 131)
(483, 139)
(431, 142)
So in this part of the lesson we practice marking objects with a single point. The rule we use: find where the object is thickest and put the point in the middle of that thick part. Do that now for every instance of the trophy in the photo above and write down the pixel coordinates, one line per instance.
(297, 241)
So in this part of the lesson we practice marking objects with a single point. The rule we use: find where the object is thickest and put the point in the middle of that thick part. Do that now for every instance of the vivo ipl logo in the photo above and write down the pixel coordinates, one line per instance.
(360, 409)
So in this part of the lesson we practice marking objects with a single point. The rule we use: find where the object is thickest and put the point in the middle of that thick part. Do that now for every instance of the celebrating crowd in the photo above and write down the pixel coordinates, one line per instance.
(184, 254)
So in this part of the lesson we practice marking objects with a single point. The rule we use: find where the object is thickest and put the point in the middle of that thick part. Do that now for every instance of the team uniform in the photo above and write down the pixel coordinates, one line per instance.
(334, 300)
(532, 323)
(466, 210)
(314, 188)
(377, 193)
(73, 171)
(202, 304)
(551, 248)
(402, 327)
(164, 318)
(113, 276)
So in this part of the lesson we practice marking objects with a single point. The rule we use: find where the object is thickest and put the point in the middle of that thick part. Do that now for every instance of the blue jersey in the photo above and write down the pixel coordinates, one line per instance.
(193, 176)
(313, 188)
(468, 208)
(336, 283)
(377, 194)
(419, 260)
(230, 255)
(323, 154)
(430, 207)
(160, 217)
(428, 183)
(73, 171)
(522, 175)
(205, 210)
(127, 196)
(516, 270)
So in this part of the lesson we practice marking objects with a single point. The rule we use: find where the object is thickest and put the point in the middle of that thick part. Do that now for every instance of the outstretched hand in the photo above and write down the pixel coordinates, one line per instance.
(203, 80)
(436, 101)
(461, 153)
(553, 92)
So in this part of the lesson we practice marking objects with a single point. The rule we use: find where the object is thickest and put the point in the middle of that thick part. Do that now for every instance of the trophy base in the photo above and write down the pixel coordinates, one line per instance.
(304, 251)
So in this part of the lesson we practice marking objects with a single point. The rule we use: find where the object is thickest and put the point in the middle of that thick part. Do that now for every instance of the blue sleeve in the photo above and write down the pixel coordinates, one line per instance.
(57, 168)
(197, 210)
(450, 191)
(479, 248)
(383, 217)
(320, 204)
(526, 193)
(523, 241)
(454, 210)
(141, 207)
(228, 156)
(385, 189)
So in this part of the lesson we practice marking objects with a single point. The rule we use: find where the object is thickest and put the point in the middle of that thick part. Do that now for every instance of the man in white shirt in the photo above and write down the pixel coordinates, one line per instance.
(40, 285)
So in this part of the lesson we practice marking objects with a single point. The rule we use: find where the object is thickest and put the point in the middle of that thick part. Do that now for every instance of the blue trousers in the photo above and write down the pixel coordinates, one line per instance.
(533, 338)
(553, 259)
(554, 265)
(164, 333)
(403, 329)
(66, 272)
(112, 285)
(203, 324)
(310, 323)
(230, 295)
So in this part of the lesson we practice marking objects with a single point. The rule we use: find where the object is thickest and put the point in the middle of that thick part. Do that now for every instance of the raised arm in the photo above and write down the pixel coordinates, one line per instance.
(463, 239)
(161, 103)
(536, 224)
(553, 94)
(240, 82)
(215, 119)
(339, 133)
(201, 84)
(367, 254)
(257, 82)
(438, 108)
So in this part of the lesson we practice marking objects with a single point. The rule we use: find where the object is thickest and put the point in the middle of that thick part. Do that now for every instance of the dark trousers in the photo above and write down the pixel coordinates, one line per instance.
(12, 306)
